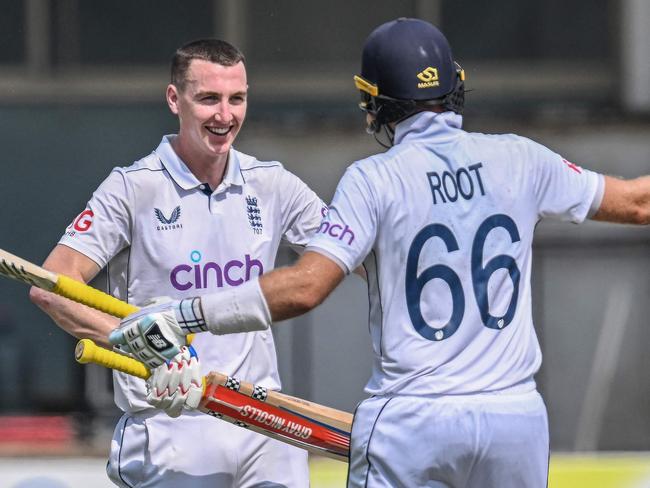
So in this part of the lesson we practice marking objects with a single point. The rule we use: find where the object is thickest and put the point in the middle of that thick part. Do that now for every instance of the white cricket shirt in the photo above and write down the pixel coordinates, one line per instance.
(443, 223)
(161, 232)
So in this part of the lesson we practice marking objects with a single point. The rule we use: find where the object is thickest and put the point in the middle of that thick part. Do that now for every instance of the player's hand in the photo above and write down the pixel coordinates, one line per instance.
(152, 334)
(177, 384)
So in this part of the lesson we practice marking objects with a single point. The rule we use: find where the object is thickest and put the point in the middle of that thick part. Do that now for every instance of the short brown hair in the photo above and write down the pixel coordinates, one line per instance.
(213, 50)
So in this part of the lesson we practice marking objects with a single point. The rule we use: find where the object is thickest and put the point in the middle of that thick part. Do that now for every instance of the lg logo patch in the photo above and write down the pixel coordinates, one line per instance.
(81, 224)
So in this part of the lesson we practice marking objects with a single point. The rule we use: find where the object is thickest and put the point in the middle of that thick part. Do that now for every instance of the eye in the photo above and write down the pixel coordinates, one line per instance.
(209, 99)
(237, 99)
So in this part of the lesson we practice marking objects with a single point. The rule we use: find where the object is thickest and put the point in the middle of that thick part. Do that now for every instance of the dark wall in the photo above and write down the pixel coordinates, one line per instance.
(53, 159)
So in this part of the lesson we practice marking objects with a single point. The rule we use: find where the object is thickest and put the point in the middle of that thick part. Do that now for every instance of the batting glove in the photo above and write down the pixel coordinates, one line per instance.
(177, 384)
(153, 334)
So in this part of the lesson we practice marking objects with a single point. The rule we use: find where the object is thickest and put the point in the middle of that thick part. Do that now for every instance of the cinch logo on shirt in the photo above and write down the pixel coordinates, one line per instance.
(213, 275)
(337, 231)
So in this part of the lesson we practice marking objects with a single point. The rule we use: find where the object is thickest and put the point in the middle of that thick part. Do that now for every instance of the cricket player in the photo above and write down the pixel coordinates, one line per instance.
(192, 217)
(443, 223)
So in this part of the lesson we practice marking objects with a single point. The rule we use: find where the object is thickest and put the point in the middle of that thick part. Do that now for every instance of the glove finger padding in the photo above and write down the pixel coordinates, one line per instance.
(177, 384)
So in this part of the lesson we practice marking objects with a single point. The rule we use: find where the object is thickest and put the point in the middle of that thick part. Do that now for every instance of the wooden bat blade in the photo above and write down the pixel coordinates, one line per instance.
(317, 428)
(285, 425)
(222, 412)
(17, 268)
(314, 412)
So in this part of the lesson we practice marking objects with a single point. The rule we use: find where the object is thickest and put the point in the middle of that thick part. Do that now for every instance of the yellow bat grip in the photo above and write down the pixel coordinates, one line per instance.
(82, 293)
(89, 352)
(79, 292)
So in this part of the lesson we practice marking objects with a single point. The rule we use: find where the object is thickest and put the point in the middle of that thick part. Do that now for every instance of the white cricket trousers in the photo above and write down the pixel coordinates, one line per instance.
(199, 451)
(477, 441)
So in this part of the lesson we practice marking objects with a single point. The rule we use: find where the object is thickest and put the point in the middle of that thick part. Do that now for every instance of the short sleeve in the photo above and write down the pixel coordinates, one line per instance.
(302, 211)
(103, 228)
(562, 189)
(349, 230)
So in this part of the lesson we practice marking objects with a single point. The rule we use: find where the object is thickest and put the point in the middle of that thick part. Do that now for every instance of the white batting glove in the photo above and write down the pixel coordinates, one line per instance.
(156, 333)
(177, 384)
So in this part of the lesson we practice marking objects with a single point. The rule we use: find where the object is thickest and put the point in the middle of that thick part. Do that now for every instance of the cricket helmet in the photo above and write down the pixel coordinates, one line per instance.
(407, 66)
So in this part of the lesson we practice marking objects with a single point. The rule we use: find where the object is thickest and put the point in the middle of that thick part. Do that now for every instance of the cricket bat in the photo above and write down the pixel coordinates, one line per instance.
(31, 274)
(17, 268)
(316, 428)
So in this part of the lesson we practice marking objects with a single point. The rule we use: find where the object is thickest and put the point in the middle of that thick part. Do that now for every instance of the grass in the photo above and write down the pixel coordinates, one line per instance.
(596, 470)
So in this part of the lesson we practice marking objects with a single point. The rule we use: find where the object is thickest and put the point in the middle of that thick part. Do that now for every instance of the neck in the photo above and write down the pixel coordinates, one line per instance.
(208, 170)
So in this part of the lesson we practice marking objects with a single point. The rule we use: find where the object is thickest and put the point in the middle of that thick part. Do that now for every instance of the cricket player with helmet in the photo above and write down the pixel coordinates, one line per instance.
(192, 217)
(443, 223)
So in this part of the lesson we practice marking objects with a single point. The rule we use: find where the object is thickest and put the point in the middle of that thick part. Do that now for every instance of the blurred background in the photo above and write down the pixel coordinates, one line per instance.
(82, 90)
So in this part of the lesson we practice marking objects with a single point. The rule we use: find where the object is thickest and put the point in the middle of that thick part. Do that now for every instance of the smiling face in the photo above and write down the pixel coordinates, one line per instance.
(211, 108)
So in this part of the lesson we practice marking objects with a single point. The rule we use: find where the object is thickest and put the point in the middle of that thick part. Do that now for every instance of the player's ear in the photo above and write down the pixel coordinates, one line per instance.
(172, 96)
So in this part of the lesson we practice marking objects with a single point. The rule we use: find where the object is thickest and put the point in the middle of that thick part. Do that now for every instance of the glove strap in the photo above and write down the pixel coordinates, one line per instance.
(190, 316)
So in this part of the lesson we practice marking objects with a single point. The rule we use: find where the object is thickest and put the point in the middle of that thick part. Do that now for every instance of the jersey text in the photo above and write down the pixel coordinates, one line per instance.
(449, 186)
(337, 231)
(210, 275)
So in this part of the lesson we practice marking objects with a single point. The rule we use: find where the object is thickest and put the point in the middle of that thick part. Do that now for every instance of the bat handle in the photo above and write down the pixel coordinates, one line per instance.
(89, 352)
(79, 292)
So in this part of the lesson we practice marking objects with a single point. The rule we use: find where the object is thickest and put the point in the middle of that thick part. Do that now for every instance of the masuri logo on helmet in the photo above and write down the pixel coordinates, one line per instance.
(429, 77)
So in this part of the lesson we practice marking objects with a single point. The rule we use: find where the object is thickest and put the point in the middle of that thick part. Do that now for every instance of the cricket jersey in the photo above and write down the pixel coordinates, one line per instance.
(443, 223)
(161, 232)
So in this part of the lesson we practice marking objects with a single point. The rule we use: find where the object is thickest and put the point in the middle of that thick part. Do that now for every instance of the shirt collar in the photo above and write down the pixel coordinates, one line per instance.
(435, 127)
(182, 175)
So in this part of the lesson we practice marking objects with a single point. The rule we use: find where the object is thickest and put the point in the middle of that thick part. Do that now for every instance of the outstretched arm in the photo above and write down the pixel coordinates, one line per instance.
(279, 295)
(299, 288)
(625, 201)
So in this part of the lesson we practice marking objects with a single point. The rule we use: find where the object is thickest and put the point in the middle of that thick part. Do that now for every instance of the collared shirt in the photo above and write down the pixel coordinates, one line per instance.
(158, 233)
(184, 178)
(443, 223)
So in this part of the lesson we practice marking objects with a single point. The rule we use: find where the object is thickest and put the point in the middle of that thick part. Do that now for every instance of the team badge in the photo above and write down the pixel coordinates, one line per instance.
(168, 223)
(254, 214)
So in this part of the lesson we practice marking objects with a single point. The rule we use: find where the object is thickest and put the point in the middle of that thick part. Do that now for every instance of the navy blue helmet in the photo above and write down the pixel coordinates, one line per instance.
(407, 66)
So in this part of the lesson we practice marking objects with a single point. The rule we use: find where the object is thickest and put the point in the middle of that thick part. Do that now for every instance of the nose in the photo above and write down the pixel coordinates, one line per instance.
(223, 113)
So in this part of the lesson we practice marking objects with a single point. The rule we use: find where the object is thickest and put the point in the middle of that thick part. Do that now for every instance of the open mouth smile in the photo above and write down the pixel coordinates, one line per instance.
(219, 131)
